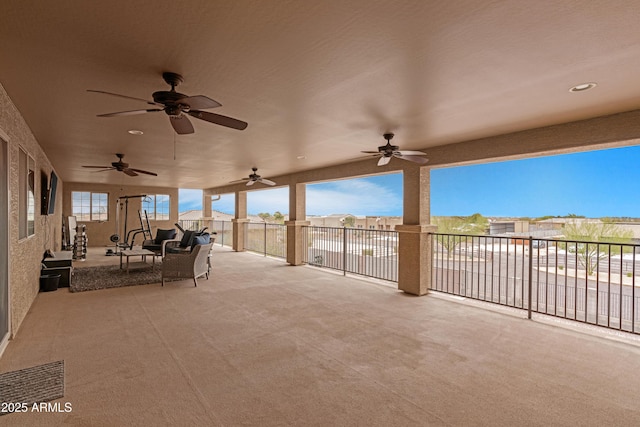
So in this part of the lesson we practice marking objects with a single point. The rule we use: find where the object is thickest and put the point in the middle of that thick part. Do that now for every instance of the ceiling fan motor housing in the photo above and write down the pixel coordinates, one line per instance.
(171, 101)
(388, 149)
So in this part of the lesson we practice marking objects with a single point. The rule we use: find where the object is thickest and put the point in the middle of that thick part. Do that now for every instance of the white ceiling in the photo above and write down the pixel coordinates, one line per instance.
(320, 79)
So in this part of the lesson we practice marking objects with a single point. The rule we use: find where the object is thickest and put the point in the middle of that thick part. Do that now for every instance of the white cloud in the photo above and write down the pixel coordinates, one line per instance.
(275, 199)
(357, 196)
(362, 196)
(189, 199)
(226, 204)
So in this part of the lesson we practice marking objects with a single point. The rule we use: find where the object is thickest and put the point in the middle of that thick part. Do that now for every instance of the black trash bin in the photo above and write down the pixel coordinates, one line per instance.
(49, 282)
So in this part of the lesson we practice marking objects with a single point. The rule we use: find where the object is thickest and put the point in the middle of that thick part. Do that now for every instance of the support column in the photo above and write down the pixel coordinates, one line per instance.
(414, 245)
(239, 221)
(206, 205)
(297, 219)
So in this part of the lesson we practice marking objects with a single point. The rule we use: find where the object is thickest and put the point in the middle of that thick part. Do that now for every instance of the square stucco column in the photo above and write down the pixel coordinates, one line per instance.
(238, 233)
(295, 242)
(297, 219)
(414, 241)
(239, 221)
(414, 260)
(206, 205)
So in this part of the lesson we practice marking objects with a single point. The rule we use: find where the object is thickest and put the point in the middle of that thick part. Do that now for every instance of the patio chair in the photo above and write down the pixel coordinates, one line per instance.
(187, 265)
(157, 245)
(189, 240)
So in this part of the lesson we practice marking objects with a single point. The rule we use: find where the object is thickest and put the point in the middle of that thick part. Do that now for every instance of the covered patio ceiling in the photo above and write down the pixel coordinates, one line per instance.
(317, 82)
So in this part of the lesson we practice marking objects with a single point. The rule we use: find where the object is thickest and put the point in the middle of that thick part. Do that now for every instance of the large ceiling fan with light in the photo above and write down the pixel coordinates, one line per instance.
(253, 178)
(386, 152)
(121, 166)
(178, 106)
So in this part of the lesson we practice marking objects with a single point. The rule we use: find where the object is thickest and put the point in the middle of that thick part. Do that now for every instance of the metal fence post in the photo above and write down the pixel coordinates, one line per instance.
(222, 232)
(530, 278)
(265, 239)
(344, 251)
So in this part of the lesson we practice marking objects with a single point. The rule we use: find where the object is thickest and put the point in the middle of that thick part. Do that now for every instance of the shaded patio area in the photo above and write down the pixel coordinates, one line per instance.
(264, 343)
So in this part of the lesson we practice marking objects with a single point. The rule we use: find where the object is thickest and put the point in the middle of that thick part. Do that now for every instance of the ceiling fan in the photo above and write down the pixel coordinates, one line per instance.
(253, 178)
(386, 152)
(121, 166)
(177, 106)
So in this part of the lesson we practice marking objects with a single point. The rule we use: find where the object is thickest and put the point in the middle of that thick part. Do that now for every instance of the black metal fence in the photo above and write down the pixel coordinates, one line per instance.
(267, 239)
(589, 282)
(371, 253)
(223, 229)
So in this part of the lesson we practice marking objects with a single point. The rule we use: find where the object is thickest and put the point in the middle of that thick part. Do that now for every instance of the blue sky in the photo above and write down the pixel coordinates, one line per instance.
(593, 184)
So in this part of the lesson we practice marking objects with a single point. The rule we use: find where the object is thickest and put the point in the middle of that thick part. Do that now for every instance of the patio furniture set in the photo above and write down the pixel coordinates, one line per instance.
(188, 257)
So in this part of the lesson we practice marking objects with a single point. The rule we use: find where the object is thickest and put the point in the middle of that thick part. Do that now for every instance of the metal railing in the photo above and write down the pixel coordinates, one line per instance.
(371, 253)
(589, 282)
(267, 239)
(225, 232)
(223, 229)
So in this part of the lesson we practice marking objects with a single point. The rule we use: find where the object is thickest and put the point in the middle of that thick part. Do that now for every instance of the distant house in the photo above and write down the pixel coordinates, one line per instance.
(196, 215)
(333, 220)
(355, 221)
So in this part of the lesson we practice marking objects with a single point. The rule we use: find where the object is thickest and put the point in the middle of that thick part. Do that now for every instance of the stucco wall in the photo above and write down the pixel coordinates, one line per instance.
(98, 233)
(25, 255)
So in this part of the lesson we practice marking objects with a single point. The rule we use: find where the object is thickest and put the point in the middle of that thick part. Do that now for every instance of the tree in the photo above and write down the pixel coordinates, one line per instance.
(278, 217)
(349, 221)
(594, 241)
(265, 216)
(455, 229)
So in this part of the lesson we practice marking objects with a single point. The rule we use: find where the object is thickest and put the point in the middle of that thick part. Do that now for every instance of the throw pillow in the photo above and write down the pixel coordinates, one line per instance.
(202, 239)
(162, 235)
(187, 238)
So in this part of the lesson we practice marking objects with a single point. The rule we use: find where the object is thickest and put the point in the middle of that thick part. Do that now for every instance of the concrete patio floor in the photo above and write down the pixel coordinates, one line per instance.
(263, 343)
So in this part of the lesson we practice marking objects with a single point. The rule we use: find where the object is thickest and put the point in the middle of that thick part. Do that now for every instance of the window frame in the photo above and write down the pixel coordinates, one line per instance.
(87, 203)
(156, 209)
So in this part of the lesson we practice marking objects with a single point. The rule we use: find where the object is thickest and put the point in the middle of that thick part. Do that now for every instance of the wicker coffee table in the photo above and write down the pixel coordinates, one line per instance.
(143, 253)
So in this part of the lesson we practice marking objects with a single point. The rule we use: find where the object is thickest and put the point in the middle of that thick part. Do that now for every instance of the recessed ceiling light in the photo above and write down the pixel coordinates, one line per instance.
(582, 87)
(301, 157)
(135, 132)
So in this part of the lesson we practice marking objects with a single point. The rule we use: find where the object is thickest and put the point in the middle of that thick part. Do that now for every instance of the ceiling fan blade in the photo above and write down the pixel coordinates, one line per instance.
(415, 159)
(130, 113)
(218, 119)
(371, 152)
(98, 167)
(384, 160)
(143, 171)
(122, 96)
(250, 182)
(200, 102)
(104, 170)
(266, 181)
(181, 124)
(411, 153)
(129, 172)
(238, 181)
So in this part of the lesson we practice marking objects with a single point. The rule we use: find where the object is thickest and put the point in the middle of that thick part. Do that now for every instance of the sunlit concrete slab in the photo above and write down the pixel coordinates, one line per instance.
(264, 343)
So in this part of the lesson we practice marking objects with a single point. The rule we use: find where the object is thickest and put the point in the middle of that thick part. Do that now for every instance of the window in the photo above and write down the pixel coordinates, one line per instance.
(157, 206)
(88, 206)
(26, 196)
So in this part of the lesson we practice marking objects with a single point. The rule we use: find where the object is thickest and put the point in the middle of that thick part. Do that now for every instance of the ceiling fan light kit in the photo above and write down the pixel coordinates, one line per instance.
(387, 151)
(177, 106)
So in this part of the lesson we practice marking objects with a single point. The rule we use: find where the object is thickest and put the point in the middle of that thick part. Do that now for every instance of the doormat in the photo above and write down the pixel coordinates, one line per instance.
(111, 276)
(41, 383)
